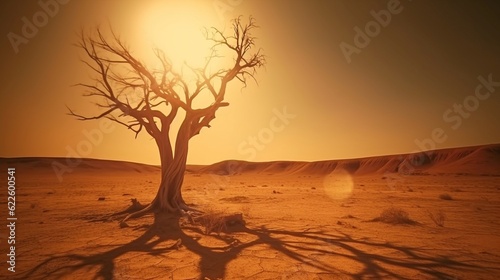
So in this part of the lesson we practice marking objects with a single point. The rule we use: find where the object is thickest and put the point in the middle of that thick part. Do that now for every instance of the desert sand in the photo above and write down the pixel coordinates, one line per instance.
(303, 220)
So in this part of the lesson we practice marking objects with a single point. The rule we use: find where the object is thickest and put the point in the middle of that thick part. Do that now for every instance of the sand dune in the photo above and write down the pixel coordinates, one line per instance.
(48, 164)
(477, 160)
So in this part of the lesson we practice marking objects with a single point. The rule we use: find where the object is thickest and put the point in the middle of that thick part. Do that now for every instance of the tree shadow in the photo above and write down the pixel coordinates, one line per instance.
(301, 246)
(153, 241)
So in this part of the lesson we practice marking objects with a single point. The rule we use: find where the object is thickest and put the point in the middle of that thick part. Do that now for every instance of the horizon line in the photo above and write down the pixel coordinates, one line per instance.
(266, 161)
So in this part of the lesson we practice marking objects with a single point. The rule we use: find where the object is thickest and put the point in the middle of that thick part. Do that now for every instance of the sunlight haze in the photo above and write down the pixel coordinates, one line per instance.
(411, 87)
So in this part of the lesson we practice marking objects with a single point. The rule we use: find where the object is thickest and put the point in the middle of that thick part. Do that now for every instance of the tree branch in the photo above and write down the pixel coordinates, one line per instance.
(142, 95)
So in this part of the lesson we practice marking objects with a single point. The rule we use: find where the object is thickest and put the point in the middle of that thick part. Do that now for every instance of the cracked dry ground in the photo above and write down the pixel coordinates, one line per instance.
(297, 227)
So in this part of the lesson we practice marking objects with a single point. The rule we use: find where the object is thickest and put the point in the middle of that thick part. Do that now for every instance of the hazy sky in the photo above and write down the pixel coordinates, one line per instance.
(344, 79)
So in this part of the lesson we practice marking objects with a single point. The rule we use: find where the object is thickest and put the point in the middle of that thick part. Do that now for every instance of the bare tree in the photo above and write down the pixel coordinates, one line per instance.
(165, 95)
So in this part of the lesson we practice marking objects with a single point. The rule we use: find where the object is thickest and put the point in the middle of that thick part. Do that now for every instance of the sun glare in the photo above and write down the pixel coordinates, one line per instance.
(178, 31)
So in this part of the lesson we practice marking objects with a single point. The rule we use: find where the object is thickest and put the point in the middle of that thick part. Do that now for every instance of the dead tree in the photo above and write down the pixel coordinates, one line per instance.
(145, 99)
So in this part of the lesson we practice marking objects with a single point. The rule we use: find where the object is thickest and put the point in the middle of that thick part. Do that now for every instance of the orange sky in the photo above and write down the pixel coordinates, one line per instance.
(327, 92)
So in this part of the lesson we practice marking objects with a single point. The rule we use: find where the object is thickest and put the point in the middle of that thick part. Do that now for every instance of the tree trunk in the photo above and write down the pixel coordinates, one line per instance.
(169, 199)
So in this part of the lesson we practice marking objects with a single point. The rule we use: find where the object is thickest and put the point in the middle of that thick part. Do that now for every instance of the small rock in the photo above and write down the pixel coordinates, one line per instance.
(101, 198)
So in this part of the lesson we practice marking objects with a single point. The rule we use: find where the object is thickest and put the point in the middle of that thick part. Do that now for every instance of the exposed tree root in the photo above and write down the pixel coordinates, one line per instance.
(136, 206)
(184, 207)
(146, 210)
(211, 221)
(137, 210)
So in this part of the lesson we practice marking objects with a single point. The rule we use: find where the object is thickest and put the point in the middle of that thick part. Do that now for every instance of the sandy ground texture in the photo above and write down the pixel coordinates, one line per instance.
(302, 221)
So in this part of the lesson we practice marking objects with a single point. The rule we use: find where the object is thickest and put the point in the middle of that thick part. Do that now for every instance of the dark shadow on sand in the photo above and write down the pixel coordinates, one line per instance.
(161, 237)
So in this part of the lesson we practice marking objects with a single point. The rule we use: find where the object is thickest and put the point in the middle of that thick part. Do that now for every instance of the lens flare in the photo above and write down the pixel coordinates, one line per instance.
(338, 185)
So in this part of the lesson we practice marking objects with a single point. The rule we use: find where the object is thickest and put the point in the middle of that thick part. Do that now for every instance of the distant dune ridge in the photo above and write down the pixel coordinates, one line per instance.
(477, 160)
(43, 164)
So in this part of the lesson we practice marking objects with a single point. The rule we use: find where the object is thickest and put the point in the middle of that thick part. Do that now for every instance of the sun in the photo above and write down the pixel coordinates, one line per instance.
(177, 29)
